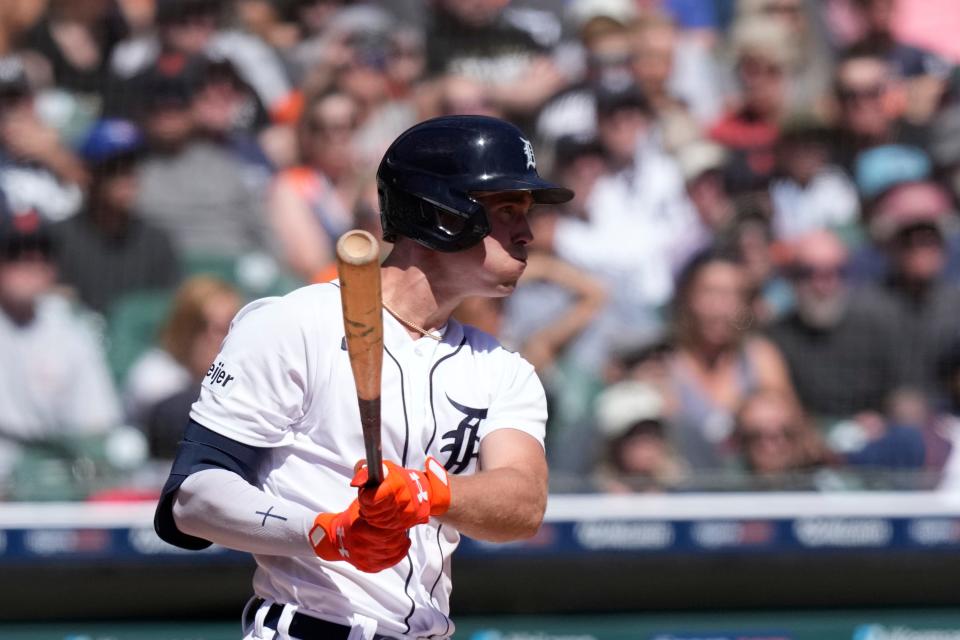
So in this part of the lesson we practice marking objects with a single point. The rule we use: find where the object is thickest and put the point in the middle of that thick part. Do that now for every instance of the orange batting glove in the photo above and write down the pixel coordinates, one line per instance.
(406, 497)
(347, 536)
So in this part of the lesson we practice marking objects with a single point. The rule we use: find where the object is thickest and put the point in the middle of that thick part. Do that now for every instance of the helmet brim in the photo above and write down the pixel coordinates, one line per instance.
(543, 192)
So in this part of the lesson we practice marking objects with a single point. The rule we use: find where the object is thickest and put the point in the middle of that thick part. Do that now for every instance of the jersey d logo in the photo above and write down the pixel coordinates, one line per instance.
(463, 441)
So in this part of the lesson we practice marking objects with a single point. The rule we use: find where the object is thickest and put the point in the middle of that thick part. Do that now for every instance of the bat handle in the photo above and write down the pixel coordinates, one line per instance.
(370, 419)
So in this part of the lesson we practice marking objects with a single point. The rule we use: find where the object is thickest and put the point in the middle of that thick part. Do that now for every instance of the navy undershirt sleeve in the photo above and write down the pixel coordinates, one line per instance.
(201, 449)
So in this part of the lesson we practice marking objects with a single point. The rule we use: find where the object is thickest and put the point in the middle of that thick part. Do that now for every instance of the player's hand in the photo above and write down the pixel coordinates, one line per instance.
(406, 497)
(347, 536)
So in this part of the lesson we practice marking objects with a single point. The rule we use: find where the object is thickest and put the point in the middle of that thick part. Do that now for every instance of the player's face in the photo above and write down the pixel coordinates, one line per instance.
(502, 256)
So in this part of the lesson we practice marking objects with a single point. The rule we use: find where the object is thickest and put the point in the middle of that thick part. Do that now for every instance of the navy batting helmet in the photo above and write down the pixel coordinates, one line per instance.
(428, 174)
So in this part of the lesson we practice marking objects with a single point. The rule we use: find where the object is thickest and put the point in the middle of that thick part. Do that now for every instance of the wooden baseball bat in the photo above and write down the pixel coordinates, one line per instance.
(358, 265)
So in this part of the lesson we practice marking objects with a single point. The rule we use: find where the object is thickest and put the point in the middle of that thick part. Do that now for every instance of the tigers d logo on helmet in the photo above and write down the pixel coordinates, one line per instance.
(528, 151)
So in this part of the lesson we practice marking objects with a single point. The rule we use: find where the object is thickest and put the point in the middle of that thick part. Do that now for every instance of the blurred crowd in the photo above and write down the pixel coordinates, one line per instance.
(757, 285)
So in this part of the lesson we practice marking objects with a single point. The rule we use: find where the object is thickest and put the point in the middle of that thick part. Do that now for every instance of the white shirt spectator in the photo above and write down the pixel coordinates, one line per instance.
(639, 220)
(53, 380)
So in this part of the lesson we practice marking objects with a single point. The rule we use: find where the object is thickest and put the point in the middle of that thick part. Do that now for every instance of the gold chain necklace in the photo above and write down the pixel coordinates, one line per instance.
(430, 334)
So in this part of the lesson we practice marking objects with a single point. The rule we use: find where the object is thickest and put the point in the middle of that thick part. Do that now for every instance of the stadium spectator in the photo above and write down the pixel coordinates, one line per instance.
(189, 340)
(483, 40)
(655, 40)
(385, 104)
(775, 446)
(190, 186)
(840, 352)
(717, 361)
(811, 73)
(637, 454)
(910, 222)
(37, 171)
(226, 112)
(604, 40)
(869, 108)
(879, 170)
(694, 72)
(641, 197)
(311, 205)
(54, 382)
(809, 193)
(702, 164)
(75, 40)
(543, 342)
(18, 18)
(762, 55)
(107, 251)
(579, 162)
(924, 72)
(183, 29)
(750, 236)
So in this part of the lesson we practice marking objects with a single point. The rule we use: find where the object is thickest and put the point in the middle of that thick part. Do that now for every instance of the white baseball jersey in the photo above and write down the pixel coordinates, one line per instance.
(283, 380)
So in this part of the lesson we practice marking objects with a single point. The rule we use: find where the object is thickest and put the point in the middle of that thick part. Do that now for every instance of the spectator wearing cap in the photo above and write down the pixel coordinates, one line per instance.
(107, 251)
(869, 108)
(808, 193)
(192, 186)
(38, 172)
(879, 170)
(637, 454)
(763, 55)
(910, 222)
(840, 353)
(54, 382)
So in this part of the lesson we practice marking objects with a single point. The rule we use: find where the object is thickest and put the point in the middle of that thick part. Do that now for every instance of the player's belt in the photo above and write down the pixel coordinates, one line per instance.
(302, 626)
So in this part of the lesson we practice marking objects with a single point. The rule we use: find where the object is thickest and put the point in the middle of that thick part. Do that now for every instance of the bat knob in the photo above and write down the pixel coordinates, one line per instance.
(358, 247)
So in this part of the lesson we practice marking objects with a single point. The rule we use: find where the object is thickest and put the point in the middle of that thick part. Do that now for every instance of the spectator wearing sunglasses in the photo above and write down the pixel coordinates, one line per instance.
(910, 223)
(775, 443)
(869, 107)
(54, 382)
(840, 355)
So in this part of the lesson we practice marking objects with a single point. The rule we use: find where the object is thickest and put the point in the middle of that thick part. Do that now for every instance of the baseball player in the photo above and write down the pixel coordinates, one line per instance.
(268, 463)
